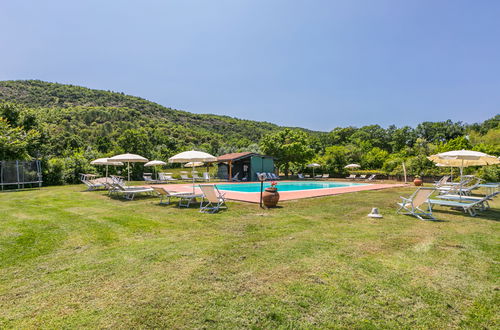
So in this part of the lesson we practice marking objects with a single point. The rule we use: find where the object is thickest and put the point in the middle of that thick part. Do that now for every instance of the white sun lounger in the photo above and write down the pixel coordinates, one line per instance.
(481, 202)
(166, 177)
(470, 207)
(215, 199)
(412, 205)
(130, 192)
(185, 198)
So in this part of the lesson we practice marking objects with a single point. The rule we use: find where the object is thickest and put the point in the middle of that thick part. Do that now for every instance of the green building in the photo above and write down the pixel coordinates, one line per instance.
(243, 166)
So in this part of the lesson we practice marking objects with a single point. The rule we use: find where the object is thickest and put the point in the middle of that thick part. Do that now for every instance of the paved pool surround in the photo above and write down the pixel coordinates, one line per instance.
(251, 197)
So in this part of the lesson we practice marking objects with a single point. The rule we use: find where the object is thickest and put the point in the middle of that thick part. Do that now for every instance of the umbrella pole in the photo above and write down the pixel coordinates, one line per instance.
(461, 178)
(192, 172)
(106, 170)
(128, 168)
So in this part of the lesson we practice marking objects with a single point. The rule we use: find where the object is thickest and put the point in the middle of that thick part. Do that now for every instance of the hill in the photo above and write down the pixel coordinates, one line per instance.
(97, 106)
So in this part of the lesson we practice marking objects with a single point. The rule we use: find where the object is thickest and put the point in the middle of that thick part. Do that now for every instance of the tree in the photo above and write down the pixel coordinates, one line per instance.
(335, 159)
(15, 143)
(458, 143)
(374, 159)
(288, 147)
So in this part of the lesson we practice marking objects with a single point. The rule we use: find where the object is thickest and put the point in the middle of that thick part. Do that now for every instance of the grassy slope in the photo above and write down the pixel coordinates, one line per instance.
(70, 258)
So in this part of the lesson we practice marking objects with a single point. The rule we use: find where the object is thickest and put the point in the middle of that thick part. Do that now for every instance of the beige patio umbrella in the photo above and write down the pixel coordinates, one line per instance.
(313, 165)
(155, 163)
(192, 156)
(107, 162)
(464, 158)
(352, 166)
(129, 158)
(194, 164)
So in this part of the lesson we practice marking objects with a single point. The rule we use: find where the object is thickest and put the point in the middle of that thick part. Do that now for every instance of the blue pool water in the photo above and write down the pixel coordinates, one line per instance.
(286, 186)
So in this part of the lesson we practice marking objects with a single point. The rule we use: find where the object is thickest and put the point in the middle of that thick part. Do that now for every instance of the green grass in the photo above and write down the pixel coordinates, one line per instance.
(70, 259)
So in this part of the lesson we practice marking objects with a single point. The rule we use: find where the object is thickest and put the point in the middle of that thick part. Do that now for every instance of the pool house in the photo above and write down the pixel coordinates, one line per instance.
(243, 166)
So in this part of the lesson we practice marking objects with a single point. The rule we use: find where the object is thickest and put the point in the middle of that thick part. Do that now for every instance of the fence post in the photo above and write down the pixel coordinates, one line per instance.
(17, 173)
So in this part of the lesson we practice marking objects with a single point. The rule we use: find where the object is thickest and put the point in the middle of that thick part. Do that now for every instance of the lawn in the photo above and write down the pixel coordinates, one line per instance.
(70, 259)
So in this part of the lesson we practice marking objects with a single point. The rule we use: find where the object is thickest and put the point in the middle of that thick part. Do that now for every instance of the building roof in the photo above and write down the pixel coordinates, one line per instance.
(235, 156)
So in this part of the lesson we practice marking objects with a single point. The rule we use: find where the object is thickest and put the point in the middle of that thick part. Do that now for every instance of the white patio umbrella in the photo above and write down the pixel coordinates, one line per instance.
(107, 162)
(192, 156)
(313, 165)
(464, 158)
(155, 163)
(352, 166)
(129, 158)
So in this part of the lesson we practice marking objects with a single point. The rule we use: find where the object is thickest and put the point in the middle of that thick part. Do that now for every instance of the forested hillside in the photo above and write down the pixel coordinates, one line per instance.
(67, 126)
(89, 108)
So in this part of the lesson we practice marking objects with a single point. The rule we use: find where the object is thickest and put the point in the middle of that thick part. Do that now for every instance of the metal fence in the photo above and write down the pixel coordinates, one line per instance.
(19, 173)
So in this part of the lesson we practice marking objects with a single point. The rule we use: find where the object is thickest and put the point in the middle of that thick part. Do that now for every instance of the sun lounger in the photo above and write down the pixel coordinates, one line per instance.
(413, 204)
(442, 181)
(371, 177)
(362, 177)
(148, 179)
(235, 177)
(460, 189)
(91, 185)
(215, 199)
(483, 200)
(166, 177)
(130, 192)
(300, 176)
(325, 176)
(184, 176)
(185, 198)
(468, 206)
(351, 177)
(273, 176)
(196, 177)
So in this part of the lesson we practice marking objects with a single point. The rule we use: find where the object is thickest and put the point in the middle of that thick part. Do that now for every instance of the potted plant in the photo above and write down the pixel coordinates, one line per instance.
(271, 195)
(418, 181)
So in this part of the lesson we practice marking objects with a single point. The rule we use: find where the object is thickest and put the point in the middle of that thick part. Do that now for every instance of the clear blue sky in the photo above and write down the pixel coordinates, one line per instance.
(310, 63)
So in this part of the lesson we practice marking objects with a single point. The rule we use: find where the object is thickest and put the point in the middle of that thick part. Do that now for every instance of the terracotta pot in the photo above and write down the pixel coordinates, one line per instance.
(418, 182)
(270, 197)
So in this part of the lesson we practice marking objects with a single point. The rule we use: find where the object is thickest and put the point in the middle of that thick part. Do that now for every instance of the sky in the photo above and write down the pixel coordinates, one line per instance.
(317, 64)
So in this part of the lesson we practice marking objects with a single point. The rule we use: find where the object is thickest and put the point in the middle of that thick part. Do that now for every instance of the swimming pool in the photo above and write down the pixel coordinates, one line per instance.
(287, 186)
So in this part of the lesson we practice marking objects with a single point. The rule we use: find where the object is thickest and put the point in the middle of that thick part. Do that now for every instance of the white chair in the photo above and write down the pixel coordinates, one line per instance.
(215, 199)
(412, 205)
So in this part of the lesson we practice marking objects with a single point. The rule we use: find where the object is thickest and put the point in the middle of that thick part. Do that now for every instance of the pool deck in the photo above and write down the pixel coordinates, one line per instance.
(254, 197)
